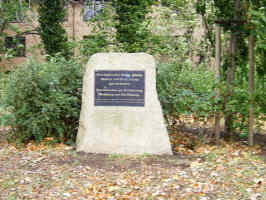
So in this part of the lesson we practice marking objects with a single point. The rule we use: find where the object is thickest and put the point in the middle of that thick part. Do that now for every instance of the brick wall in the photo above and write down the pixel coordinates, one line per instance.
(74, 25)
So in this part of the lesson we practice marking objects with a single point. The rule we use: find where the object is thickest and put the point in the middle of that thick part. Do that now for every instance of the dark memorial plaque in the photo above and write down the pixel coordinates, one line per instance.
(119, 88)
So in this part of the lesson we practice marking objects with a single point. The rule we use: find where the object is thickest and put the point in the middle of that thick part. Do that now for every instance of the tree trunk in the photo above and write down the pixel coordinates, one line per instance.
(251, 91)
(217, 68)
(229, 82)
(230, 76)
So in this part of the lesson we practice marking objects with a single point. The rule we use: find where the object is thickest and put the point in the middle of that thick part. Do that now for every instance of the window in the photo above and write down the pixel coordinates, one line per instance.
(92, 8)
(17, 44)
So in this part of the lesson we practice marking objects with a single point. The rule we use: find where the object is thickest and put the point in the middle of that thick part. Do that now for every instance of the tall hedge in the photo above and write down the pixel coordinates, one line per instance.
(131, 32)
(53, 35)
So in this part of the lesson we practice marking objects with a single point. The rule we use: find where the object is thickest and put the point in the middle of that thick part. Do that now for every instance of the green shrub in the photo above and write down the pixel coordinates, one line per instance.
(239, 104)
(43, 100)
(183, 90)
(93, 44)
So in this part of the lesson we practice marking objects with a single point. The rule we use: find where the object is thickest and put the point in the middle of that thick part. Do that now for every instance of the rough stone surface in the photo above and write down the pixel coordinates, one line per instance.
(122, 129)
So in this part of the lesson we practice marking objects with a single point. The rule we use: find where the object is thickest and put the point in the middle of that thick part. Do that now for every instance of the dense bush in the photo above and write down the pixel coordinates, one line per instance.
(239, 104)
(43, 100)
(93, 44)
(184, 90)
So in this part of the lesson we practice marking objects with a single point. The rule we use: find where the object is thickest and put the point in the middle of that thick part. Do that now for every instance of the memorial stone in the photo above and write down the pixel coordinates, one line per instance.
(120, 110)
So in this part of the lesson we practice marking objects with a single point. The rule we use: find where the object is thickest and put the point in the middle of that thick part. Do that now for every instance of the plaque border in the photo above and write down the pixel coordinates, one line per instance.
(115, 103)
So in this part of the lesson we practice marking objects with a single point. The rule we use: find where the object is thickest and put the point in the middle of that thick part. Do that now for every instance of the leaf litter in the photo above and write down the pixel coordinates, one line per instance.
(196, 171)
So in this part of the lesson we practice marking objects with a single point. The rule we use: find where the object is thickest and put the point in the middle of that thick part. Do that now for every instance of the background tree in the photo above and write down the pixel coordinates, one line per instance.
(241, 19)
(132, 33)
(53, 35)
(256, 25)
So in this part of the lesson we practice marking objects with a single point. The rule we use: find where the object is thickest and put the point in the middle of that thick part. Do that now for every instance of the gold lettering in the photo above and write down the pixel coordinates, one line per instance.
(106, 79)
(134, 79)
(108, 90)
(111, 84)
(133, 90)
(132, 95)
(105, 94)
(99, 74)
(137, 75)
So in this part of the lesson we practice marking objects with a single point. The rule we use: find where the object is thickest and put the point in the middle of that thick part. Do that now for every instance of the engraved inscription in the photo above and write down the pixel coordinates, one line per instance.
(119, 88)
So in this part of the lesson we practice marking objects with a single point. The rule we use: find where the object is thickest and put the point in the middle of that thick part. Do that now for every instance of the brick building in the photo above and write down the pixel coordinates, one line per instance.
(79, 12)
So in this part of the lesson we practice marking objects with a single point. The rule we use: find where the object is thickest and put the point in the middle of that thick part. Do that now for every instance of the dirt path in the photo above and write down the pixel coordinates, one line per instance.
(59, 172)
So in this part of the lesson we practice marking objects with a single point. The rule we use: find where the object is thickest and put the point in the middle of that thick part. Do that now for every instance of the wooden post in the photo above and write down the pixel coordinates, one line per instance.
(217, 68)
(251, 91)
(74, 3)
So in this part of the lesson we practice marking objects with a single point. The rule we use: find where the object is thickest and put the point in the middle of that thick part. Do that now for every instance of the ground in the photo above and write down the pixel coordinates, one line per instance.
(196, 171)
